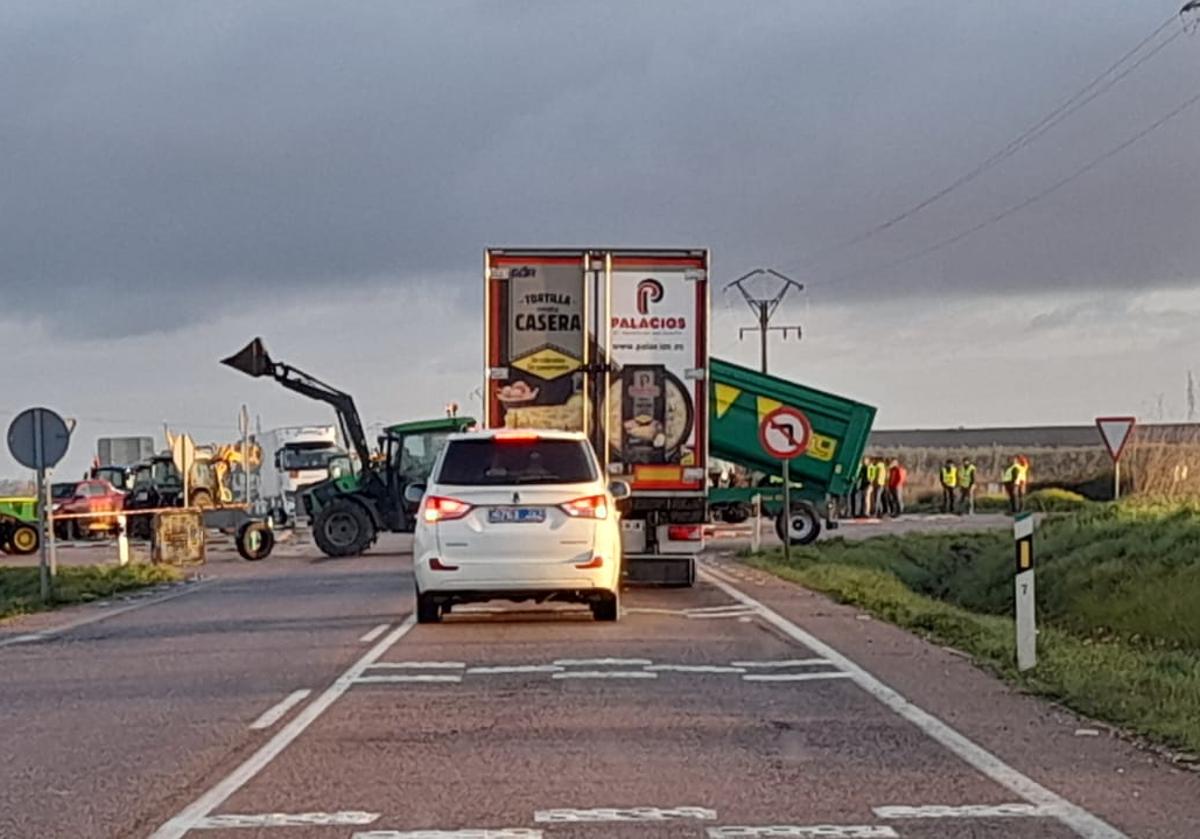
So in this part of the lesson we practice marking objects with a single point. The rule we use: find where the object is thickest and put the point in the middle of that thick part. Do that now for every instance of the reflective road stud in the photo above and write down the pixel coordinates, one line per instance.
(1026, 620)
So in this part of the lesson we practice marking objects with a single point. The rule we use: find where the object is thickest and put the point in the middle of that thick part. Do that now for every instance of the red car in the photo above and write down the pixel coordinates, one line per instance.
(92, 496)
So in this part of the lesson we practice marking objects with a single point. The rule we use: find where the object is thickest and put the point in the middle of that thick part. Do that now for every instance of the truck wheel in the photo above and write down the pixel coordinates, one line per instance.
(428, 609)
(24, 540)
(608, 608)
(255, 541)
(735, 513)
(343, 528)
(804, 524)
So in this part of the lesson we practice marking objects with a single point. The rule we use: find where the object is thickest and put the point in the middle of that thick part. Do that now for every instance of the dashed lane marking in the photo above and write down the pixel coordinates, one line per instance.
(277, 711)
(1071, 815)
(200, 809)
(374, 633)
(408, 678)
(604, 674)
(795, 677)
(791, 662)
(515, 668)
(825, 831)
(693, 668)
(968, 811)
(603, 662)
(631, 814)
(503, 833)
(345, 817)
(417, 665)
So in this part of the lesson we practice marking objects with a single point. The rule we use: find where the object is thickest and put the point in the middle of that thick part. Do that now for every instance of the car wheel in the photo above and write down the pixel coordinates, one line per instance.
(255, 541)
(343, 528)
(608, 608)
(24, 540)
(803, 526)
(428, 609)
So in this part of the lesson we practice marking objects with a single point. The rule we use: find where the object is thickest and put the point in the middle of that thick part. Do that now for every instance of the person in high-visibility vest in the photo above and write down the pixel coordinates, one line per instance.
(881, 493)
(966, 486)
(1015, 479)
(897, 476)
(869, 499)
(949, 476)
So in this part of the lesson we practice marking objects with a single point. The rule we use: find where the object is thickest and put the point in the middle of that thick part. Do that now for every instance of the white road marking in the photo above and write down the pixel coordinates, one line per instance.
(693, 668)
(277, 711)
(503, 833)
(605, 674)
(793, 662)
(741, 613)
(418, 665)
(199, 809)
(1073, 816)
(407, 678)
(647, 610)
(346, 817)
(603, 662)
(795, 677)
(374, 633)
(55, 631)
(843, 831)
(967, 811)
(699, 610)
(631, 814)
(515, 668)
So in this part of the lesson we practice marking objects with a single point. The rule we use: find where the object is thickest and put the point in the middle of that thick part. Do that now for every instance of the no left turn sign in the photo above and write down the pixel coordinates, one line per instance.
(785, 433)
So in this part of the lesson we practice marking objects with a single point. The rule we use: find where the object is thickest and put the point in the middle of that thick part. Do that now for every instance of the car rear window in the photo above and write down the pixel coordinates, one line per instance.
(492, 462)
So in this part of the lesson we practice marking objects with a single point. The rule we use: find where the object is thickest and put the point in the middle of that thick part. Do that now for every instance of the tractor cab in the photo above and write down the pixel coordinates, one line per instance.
(410, 450)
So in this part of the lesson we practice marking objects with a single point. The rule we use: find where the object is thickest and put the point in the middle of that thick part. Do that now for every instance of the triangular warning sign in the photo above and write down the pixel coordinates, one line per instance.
(1115, 432)
(766, 406)
(725, 395)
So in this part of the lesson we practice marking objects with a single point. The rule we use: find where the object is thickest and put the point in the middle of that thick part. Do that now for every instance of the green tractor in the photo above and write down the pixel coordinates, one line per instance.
(19, 533)
(348, 510)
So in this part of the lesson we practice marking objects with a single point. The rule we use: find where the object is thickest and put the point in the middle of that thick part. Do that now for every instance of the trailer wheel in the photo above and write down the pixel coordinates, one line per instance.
(24, 540)
(343, 528)
(255, 541)
(735, 513)
(803, 526)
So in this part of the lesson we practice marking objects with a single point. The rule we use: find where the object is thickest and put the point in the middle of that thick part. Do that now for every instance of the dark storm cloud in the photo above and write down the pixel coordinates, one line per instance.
(167, 162)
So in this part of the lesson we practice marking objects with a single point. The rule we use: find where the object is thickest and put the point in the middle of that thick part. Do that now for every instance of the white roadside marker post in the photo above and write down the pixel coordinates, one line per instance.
(1026, 619)
(122, 540)
(756, 539)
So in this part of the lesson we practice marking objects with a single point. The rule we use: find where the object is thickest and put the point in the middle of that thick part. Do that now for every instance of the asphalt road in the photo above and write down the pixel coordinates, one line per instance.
(296, 698)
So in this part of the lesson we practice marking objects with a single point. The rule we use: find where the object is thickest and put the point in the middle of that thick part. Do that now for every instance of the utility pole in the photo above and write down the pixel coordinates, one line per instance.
(764, 308)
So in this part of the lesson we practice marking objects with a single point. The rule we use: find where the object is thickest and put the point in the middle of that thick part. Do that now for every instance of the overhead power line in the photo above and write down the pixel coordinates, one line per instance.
(1099, 85)
(1033, 199)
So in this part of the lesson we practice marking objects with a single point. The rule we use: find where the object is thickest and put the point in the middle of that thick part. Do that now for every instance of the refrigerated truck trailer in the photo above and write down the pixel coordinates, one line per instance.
(614, 343)
(293, 458)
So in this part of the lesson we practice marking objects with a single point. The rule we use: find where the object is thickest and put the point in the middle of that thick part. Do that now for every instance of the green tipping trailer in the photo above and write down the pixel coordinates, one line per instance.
(740, 398)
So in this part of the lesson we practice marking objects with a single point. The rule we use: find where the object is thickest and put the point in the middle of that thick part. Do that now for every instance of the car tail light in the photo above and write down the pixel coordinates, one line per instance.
(436, 564)
(439, 508)
(685, 532)
(591, 507)
(595, 562)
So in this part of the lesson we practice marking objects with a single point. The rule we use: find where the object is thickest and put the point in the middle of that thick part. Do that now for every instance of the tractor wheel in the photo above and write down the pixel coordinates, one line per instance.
(24, 540)
(343, 528)
(804, 525)
(255, 541)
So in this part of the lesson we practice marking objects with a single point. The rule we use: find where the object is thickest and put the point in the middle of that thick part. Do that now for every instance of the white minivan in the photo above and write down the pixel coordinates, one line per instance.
(517, 515)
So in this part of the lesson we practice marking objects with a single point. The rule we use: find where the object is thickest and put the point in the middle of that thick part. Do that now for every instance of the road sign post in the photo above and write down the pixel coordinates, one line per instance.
(38, 439)
(785, 433)
(1026, 617)
(1115, 432)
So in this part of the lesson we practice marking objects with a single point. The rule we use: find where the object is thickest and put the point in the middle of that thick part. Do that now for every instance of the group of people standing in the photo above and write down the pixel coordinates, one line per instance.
(959, 482)
(878, 488)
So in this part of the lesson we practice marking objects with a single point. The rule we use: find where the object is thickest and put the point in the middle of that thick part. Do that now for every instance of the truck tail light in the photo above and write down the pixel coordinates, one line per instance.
(591, 507)
(685, 532)
(439, 508)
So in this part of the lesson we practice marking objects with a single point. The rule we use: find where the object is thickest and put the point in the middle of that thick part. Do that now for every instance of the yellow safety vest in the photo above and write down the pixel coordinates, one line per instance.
(1022, 473)
(1010, 474)
(881, 473)
(966, 477)
(949, 476)
(872, 469)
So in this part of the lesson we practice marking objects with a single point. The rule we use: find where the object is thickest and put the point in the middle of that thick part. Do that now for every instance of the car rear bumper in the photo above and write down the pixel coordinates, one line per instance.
(516, 576)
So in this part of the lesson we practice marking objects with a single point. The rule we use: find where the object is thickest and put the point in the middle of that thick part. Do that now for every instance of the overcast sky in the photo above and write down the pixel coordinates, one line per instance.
(178, 177)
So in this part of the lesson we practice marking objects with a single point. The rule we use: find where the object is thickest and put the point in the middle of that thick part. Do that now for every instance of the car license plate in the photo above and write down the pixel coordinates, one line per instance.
(516, 515)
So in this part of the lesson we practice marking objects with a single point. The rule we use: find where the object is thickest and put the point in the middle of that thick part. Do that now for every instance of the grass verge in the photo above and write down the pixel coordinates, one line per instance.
(20, 587)
(1118, 641)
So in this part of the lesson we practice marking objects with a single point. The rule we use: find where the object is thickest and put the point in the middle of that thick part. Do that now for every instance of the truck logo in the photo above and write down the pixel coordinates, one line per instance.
(523, 271)
(649, 291)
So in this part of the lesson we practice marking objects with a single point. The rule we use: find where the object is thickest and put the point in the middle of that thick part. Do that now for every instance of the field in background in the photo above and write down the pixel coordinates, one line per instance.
(1117, 589)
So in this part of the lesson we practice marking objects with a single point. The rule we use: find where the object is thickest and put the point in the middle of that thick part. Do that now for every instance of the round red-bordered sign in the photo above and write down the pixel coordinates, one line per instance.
(785, 433)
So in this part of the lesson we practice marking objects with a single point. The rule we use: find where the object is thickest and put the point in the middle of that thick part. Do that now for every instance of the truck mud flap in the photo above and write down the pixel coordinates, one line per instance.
(660, 570)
